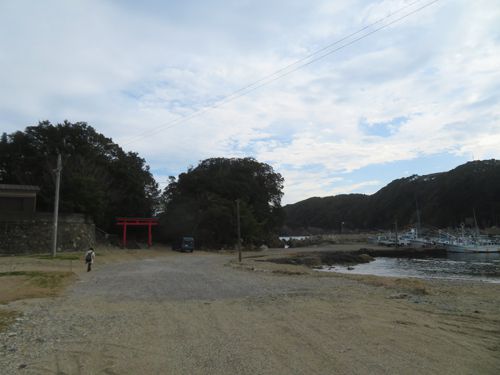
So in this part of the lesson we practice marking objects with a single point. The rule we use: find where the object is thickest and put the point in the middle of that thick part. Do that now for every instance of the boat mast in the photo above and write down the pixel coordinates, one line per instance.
(418, 219)
(475, 222)
(396, 228)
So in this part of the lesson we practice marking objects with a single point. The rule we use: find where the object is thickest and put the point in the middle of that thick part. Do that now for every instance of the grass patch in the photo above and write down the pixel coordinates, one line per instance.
(59, 256)
(41, 279)
(18, 285)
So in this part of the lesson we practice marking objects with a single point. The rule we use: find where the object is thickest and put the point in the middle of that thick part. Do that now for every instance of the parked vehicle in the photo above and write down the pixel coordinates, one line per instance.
(184, 244)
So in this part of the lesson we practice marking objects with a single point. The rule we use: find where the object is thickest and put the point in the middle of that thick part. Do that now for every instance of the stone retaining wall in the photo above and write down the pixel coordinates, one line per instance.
(34, 234)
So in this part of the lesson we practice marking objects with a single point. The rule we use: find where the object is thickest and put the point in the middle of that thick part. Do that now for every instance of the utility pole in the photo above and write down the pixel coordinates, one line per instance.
(239, 228)
(56, 204)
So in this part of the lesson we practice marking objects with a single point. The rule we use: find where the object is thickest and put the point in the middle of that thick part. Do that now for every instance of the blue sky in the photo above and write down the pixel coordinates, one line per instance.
(417, 97)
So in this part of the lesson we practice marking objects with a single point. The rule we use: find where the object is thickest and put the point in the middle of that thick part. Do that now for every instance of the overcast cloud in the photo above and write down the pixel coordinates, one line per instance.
(420, 96)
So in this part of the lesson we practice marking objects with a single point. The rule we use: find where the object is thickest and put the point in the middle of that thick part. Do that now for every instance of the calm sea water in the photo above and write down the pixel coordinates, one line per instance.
(476, 267)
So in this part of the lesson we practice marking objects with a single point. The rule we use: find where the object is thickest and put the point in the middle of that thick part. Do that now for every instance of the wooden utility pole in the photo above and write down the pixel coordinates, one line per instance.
(239, 228)
(56, 204)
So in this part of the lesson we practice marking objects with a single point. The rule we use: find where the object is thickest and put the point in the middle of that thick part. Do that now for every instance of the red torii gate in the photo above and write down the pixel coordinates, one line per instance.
(136, 221)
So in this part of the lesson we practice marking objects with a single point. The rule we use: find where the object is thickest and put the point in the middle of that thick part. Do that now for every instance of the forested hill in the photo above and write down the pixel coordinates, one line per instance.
(99, 178)
(444, 199)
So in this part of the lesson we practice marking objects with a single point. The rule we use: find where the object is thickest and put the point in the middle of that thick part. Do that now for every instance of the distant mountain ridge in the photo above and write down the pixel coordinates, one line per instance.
(445, 199)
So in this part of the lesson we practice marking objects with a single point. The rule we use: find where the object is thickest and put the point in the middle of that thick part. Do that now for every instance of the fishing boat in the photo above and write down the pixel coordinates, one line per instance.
(472, 247)
(417, 241)
(420, 242)
(394, 239)
(472, 244)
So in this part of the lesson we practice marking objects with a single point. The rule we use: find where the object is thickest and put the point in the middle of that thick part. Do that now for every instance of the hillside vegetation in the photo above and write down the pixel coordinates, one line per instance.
(202, 202)
(98, 179)
(444, 199)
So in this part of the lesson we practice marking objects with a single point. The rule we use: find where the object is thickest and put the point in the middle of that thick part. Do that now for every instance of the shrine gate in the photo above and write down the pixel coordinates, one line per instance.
(134, 221)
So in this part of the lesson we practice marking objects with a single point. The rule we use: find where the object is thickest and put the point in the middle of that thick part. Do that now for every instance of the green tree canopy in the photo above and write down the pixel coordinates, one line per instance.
(99, 179)
(201, 202)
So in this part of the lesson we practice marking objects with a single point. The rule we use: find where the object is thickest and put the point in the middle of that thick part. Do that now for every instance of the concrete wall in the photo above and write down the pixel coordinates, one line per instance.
(20, 235)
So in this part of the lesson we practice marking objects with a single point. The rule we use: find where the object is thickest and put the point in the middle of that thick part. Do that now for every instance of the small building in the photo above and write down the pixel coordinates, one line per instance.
(18, 199)
(23, 230)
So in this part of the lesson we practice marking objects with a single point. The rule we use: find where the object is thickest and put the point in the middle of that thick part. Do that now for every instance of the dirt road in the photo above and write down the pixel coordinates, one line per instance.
(195, 314)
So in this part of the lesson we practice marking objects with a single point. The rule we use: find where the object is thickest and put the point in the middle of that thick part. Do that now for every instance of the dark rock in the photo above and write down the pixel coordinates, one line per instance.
(398, 296)
(329, 258)
(366, 258)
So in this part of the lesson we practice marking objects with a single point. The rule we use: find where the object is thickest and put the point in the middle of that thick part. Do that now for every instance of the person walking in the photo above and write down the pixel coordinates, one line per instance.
(89, 258)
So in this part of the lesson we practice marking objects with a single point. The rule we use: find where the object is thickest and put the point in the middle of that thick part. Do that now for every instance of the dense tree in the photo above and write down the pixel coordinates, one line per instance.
(201, 202)
(99, 179)
(444, 199)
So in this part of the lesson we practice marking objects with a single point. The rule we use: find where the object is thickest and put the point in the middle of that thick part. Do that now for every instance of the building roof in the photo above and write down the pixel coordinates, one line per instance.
(10, 187)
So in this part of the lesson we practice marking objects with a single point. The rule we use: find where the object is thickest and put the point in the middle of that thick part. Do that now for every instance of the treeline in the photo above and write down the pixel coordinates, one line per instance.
(102, 181)
(99, 178)
(445, 199)
(202, 202)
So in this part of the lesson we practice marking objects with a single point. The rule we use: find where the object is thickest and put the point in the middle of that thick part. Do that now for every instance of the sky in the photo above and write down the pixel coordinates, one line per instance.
(415, 96)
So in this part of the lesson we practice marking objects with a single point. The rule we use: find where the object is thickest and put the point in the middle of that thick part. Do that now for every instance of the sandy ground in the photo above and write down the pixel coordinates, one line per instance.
(173, 313)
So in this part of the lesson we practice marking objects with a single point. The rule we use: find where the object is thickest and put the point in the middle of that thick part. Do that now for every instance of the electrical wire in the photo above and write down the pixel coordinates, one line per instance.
(286, 70)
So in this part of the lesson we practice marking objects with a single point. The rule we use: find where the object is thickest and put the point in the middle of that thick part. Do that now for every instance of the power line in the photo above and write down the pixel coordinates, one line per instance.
(235, 95)
(286, 70)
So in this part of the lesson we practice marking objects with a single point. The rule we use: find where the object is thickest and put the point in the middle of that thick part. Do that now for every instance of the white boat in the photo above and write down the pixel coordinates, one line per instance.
(420, 242)
(393, 239)
(472, 247)
(472, 244)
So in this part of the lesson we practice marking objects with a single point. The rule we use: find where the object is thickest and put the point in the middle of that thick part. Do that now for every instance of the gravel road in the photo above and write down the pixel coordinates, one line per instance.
(183, 277)
(195, 314)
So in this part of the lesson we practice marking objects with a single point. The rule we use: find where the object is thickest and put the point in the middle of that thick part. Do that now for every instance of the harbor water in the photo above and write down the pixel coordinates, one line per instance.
(453, 266)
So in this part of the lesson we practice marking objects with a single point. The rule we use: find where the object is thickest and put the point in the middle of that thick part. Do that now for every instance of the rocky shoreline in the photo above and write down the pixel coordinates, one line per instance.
(351, 257)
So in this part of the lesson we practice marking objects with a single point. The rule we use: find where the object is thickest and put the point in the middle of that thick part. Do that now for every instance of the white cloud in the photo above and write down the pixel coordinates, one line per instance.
(132, 71)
